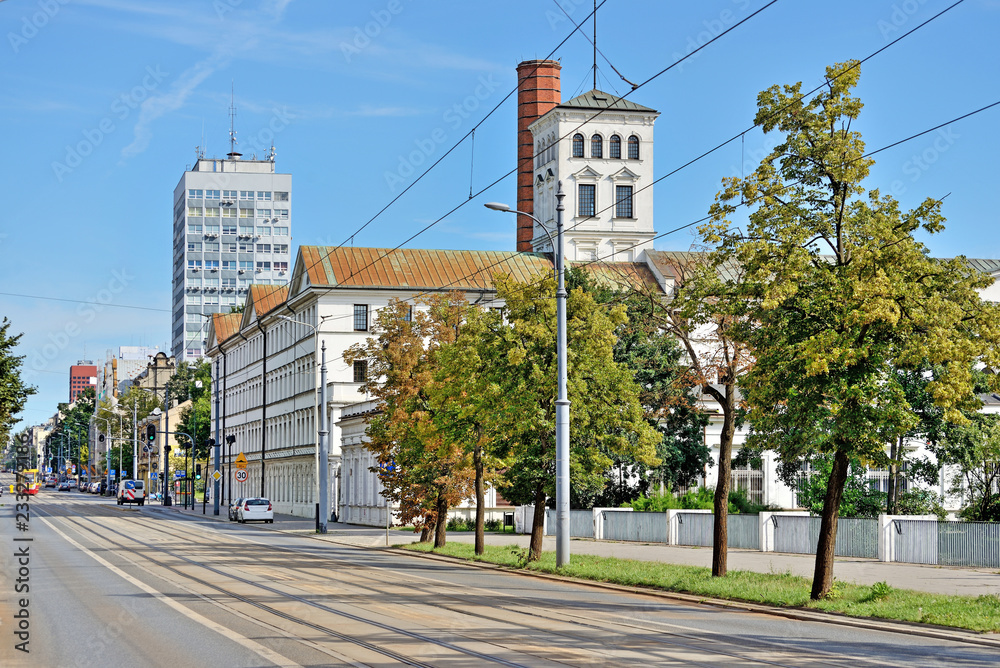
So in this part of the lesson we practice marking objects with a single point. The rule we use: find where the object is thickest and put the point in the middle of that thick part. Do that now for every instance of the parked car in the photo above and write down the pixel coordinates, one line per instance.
(233, 507)
(50, 482)
(95, 487)
(255, 510)
(63, 486)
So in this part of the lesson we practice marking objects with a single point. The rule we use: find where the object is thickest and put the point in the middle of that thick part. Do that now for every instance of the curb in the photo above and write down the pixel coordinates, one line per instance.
(798, 614)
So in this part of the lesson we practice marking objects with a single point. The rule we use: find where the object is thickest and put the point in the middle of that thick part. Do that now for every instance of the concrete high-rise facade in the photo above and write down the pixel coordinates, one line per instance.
(232, 228)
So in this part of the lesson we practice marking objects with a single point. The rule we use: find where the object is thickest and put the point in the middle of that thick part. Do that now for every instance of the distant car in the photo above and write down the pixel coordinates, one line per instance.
(63, 486)
(50, 482)
(131, 491)
(255, 510)
(72, 483)
(95, 487)
(233, 507)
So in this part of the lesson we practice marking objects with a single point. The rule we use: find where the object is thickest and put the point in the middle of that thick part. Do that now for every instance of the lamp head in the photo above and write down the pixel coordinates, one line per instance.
(497, 206)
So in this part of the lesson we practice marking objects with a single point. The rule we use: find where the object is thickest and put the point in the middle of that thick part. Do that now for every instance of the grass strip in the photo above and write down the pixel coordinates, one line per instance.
(975, 613)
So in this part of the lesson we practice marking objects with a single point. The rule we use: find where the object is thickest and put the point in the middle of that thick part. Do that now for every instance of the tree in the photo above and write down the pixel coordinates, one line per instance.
(974, 449)
(14, 392)
(183, 385)
(419, 467)
(606, 416)
(840, 294)
(72, 427)
(118, 418)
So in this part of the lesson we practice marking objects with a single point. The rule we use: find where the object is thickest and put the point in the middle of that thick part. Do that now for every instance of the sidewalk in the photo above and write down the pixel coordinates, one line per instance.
(931, 579)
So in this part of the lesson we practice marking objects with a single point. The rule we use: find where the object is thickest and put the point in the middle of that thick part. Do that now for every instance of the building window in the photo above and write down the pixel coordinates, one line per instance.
(229, 195)
(196, 194)
(586, 201)
(229, 282)
(194, 317)
(211, 194)
(263, 231)
(246, 229)
(596, 147)
(246, 194)
(194, 247)
(229, 213)
(229, 229)
(246, 213)
(246, 264)
(194, 264)
(281, 213)
(212, 212)
(280, 196)
(263, 266)
(578, 145)
(194, 299)
(408, 316)
(281, 231)
(633, 148)
(246, 247)
(360, 317)
(281, 266)
(623, 201)
(211, 247)
(229, 264)
(211, 229)
(615, 147)
(280, 248)
(263, 213)
(360, 371)
(211, 300)
(196, 211)
(263, 248)
(263, 195)
(229, 247)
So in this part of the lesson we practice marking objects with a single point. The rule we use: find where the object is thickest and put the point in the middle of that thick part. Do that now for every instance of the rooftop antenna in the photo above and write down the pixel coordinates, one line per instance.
(595, 44)
(233, 155)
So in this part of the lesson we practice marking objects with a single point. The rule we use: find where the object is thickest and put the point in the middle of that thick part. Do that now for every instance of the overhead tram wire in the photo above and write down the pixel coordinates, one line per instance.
(704, 219)
(83, 301)
(569, 133)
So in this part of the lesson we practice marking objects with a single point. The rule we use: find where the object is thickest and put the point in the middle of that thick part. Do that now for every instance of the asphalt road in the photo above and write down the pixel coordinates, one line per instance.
(150, 587)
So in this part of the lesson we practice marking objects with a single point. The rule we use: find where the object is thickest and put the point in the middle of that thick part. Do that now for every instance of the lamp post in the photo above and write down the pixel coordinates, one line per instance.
(562, 401)
(323, 454)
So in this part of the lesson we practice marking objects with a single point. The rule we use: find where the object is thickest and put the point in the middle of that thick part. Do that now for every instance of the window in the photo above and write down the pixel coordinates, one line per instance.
(194, 247)
(264, 195)
(246, 194)
(246, 229)
(194, 264)
(578, 145)
(228, 194)
(360, 317)
(281, 231)
(195, 211)
(211, 282)
(615, 147)
(246, 213)
(211, 247)
(263, 248)
(229, 264)
(623, 201)
(229, 282)
(280, 196)
(596, 147)
(633, 148)
(194, 317)
(586, 204)
(229, 247)
(264, 231)
(280, 248)
(229, 213)
(211, 300)
(193, 352)
(211, 229)
(227, 300)
(246, 247)
(263, 213)
(212, 212)
(211, 194)
(281, 213)
(196, 194)
(281, 266)
(194, 228)
(360, 371)
(408, 316)
(194, 299)
(246, 264)
(229, 229)
(264, 266)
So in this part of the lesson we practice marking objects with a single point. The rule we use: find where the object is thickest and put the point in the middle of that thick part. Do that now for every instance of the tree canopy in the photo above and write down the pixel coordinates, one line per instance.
(14, 392)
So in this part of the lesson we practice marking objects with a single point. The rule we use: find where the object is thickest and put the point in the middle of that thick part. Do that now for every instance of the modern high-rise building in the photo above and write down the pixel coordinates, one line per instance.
(82, 375)
(232, 228)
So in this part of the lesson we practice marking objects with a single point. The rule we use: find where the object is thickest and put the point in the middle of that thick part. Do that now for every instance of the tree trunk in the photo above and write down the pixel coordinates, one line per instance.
(823, 575)
(537, 525)
(441, 528)
(891, 503)
(425, 533)
(477, 459)
(720, 534)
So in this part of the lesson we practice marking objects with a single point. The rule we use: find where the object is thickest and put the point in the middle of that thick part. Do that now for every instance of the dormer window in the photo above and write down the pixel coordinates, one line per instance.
(615, 147)
(633, 148)
(578, 145)
(596, 146)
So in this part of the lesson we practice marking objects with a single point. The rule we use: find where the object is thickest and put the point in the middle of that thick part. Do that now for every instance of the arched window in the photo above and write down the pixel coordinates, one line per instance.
(596, 147)
(578, 145)
(633, 148)
(615, 147)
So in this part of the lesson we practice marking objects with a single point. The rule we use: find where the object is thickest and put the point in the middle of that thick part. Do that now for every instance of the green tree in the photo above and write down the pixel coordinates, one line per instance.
(605, 414)
(183, 385)
(72, 428)
(14, 392)
(974, 450)
(839, 295)
(118, 419)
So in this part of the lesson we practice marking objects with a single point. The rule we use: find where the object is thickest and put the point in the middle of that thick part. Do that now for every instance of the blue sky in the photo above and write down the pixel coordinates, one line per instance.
(104, 102)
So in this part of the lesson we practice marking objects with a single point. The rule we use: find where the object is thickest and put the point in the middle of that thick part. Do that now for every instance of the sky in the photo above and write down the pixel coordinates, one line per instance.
(104, 102)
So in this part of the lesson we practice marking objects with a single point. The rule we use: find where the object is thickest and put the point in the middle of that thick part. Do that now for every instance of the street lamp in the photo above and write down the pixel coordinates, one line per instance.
(562, 401)
(323, 456)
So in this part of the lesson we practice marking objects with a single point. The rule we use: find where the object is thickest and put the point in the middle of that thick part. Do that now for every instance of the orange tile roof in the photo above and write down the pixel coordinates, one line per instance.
(417, 269)
(621, 274)
(266, 298)
(226, 325)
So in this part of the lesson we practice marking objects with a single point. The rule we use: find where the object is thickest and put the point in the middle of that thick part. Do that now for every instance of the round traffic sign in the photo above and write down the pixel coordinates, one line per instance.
(241, 475)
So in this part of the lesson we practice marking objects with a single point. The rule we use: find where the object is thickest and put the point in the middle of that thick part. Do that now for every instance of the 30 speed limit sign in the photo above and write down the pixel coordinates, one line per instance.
(241, 475)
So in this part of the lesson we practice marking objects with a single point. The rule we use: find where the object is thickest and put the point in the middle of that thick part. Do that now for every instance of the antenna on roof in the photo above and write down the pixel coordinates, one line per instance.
(595, 45)
(233, 155)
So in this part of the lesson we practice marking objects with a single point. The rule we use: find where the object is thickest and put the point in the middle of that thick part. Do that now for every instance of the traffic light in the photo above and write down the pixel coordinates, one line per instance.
(160, 475)
(197, 471)
(151, 434)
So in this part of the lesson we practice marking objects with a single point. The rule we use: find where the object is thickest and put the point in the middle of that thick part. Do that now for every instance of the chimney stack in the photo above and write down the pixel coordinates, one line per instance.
(537, 93)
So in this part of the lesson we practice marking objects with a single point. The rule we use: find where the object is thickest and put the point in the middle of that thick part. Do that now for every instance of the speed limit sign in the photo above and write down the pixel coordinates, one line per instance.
(241, 475)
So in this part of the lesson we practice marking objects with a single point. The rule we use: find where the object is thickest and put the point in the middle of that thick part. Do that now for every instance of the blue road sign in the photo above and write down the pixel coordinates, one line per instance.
(179, 474)
(111, 473)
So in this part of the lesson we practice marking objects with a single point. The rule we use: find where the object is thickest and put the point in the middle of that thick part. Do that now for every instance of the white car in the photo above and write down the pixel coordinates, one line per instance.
(257, 509)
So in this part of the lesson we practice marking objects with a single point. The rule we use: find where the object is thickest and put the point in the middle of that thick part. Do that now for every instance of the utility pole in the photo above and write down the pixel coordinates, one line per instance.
(218, 445)
(324, 457)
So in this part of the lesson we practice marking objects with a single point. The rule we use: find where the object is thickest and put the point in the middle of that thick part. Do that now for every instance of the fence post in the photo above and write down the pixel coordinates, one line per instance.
(672, 528)
(766, 531)
(886, 543)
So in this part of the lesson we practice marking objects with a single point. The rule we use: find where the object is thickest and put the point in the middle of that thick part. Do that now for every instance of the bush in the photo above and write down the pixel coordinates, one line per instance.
(491, 525)
(459, 524)
(922, 502)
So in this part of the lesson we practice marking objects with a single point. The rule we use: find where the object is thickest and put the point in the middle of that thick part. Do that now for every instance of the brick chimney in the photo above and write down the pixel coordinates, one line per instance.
(537, 93)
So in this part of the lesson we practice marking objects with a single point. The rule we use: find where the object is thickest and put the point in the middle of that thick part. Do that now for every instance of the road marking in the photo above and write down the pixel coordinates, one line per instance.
(265, 653)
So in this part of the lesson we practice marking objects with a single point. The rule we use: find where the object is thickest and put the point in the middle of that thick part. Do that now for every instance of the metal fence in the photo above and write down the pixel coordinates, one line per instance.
(640, 527)
(695, 529)
(916, 541)
(968, 544)
(743, 532)
(856, 537)
(581, 523)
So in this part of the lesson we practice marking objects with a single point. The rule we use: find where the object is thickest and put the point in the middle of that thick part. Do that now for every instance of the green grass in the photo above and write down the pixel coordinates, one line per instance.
(976, 613)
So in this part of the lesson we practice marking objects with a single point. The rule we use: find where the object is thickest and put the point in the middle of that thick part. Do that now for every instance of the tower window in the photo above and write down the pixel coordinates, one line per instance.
(586, 204)
(596, 146)
(360, 371)
(623, 201)
(615, 147)
(633, 148)
(360, 317)
(577, 145)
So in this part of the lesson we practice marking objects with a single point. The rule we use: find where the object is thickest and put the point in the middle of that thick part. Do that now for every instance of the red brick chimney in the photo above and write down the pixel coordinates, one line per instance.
(537, 92)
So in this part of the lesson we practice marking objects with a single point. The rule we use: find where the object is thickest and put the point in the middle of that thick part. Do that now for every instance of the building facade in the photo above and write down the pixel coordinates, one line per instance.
(232, 223)
(82, 375)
